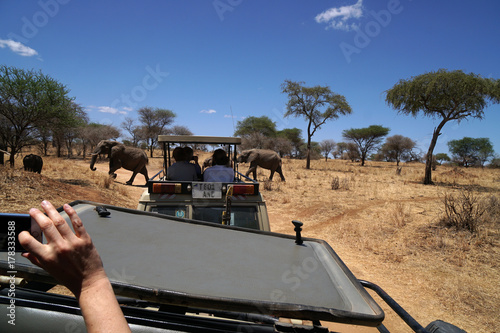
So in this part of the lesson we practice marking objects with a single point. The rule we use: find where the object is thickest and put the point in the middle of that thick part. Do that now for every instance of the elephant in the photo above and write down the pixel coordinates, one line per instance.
(207, 163)
(120, 156)
(33, 163)
(265, 158)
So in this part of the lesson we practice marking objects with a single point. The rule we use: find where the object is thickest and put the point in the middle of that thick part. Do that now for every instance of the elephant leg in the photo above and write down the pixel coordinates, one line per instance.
(131, 180)
(272, 174)
(113, 166)
(144, 171)
(252, 170)
(140, 169)
(280, 172)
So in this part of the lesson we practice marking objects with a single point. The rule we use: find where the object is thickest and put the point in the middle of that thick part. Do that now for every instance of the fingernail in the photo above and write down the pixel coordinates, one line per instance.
(44, 203)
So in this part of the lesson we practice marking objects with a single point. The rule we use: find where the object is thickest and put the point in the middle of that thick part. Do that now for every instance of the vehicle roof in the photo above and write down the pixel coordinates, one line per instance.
(200, 264)
(199, 139)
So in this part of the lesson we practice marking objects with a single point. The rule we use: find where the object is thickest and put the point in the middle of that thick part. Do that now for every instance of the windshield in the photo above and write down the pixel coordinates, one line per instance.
(245, 217)
(178, 211)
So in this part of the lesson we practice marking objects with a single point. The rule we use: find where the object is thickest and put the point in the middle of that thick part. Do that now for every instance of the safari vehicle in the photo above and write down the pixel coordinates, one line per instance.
(179, 275)
(240, 201)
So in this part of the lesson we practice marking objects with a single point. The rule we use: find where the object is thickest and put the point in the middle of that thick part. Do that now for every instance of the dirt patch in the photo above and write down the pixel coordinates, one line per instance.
(383, 226)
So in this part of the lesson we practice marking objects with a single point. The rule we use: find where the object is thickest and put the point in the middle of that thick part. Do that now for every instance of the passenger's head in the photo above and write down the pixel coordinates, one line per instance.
(220, 157)
(188, 151)
(179, 154)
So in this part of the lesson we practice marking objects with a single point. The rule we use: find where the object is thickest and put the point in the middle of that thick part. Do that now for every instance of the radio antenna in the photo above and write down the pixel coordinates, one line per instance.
(232, 117)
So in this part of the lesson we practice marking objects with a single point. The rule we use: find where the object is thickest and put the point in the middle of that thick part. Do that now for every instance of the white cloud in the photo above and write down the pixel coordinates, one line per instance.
(338, 17)
(108, 109)
(18, 48)
(208, 111)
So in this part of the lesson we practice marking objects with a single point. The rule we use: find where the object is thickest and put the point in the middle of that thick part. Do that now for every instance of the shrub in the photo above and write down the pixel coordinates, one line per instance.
(464, 211)
(338, 183)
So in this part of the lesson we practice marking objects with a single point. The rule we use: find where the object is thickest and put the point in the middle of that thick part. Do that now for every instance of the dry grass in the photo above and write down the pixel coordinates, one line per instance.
(61, 181)
(386, 227)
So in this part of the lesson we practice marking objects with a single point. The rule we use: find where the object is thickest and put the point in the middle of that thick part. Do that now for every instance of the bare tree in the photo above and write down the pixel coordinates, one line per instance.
(397, 147)
(327, 146)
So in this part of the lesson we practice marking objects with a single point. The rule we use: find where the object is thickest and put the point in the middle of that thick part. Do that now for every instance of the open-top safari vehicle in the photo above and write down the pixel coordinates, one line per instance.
(178, 275)
(206, 201)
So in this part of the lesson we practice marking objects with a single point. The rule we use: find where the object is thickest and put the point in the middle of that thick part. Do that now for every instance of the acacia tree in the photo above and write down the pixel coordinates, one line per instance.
(263, 125)
(397, 147)
(444, 95)
(470, 151)
(366, 139)
(442, 157)
(27, 98)
(154, 122)
(342, 147)
(308, 101)
(64, 126)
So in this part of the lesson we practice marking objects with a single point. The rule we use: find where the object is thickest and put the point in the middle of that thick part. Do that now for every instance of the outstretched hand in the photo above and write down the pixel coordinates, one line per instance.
(69, 257)
(73, 260)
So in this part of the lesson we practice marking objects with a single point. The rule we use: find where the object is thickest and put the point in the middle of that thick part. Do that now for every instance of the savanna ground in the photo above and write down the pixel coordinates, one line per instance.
(386, 227)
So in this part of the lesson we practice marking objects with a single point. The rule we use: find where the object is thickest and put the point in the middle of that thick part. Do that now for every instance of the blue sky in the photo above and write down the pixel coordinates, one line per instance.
(216, 62)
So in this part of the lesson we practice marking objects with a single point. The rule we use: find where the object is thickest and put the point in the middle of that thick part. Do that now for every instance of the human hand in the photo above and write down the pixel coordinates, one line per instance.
(69, 257)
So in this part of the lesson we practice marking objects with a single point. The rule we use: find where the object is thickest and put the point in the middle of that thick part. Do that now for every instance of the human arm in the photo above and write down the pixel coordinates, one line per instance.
(72, 259)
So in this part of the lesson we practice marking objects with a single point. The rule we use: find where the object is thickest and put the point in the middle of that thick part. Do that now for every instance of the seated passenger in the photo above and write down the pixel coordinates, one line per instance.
(181, 169)
(190, 157)
(219, 172)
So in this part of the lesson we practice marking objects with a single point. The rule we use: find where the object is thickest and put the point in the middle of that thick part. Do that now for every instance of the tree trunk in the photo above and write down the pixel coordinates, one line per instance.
(428, 162)
(12, 158)
(308, 160)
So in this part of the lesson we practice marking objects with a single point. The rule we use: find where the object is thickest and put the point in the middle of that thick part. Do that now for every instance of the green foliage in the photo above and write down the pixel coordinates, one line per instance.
(263, 125)
(316, 104)
(448, 95)
(470, 151)
(442, 157)
(366, 139)
(30, 100)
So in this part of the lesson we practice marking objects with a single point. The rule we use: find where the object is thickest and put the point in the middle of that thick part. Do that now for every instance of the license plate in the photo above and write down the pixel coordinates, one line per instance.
(203, 190)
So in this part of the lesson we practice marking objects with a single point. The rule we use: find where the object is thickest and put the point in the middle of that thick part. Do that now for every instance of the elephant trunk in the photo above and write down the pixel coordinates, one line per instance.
(92, 162)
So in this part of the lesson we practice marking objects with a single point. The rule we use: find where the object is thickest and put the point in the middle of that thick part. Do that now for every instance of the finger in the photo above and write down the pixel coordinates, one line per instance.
(29, 243)
(59, 222)
(31, 257)
(46, 225)
(76, 222)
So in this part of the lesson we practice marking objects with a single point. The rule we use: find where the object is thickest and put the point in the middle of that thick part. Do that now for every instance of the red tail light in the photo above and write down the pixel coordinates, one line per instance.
(167, 188)
(244, 189)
